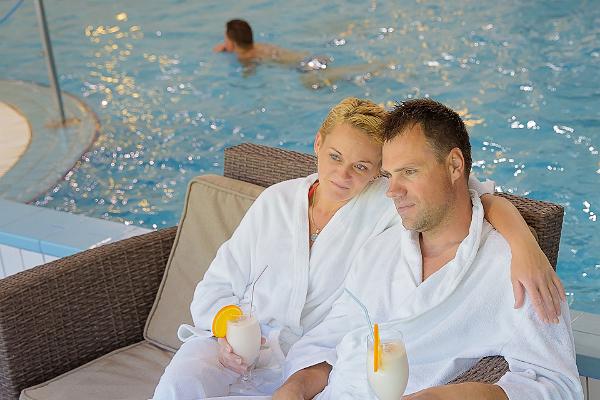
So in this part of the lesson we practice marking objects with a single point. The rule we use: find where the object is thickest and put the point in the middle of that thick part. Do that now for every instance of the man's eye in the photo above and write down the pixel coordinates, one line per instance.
(361, 167)
(334, 157)
(410, 171)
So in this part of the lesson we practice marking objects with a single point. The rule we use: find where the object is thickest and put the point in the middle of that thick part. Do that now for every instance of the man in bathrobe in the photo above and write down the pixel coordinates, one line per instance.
(443, 282)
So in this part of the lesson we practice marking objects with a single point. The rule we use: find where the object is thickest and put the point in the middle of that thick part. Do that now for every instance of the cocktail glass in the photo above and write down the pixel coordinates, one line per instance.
(388, 381)
(244, 336)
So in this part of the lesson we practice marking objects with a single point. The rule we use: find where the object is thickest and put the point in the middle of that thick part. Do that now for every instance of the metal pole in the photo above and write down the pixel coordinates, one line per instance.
(50, 58)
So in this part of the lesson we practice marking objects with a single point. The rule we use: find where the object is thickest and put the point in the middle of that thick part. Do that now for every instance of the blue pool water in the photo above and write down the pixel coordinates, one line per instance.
(524, 75)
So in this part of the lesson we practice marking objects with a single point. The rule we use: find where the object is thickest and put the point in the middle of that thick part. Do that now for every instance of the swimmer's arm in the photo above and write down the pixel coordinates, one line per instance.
(219, 48)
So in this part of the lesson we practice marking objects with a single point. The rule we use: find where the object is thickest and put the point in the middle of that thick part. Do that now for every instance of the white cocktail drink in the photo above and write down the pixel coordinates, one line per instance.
(389, 382)
(243, 334)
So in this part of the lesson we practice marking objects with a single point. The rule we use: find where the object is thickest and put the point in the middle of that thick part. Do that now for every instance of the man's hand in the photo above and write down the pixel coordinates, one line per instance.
(461, 391)
(304, 384)
(288, 391)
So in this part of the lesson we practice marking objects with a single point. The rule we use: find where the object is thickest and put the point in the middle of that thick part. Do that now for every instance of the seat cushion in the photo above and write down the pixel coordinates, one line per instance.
(214, 207)
(125, 374)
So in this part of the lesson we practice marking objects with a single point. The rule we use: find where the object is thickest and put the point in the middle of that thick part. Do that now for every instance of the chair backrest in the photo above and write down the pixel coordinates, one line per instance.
(264, 166)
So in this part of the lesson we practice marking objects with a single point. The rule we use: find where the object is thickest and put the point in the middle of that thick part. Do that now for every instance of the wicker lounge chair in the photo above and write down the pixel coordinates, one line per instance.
(61, 315)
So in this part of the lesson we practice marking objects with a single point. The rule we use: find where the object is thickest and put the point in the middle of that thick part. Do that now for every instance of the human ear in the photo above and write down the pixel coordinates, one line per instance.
(318, 142)
(456, 164)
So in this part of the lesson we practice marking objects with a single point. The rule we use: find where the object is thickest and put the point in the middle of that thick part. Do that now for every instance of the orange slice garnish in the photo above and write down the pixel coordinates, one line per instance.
(227, 313)
(376, 347)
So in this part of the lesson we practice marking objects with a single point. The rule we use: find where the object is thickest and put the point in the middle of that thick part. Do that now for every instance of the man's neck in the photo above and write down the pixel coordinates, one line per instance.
(439, 245)
(245, 53)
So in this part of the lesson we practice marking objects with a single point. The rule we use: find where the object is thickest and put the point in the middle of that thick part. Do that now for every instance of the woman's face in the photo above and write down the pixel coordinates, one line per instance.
(348, 160)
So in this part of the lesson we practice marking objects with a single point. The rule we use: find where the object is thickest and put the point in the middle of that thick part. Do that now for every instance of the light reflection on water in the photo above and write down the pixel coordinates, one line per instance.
(522, 75)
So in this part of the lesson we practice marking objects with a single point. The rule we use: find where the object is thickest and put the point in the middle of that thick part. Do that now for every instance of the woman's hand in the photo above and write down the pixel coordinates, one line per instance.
(229, 359)
(531, 272)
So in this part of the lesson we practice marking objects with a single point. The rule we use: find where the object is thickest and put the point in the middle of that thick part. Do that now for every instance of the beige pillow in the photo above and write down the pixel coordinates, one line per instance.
(214, 206)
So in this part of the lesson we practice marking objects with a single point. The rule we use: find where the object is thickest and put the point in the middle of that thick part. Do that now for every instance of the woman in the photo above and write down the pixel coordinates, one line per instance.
(307, 231)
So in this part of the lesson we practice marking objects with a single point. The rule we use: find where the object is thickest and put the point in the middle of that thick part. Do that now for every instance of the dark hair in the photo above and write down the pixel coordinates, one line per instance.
(240, 32)
(443, 128)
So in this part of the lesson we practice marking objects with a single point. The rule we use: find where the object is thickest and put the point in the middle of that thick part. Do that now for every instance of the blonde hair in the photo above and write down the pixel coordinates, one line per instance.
(359, 113)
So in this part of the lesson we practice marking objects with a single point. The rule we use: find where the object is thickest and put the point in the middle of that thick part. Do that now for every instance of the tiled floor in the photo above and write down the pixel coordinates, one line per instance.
(14, 260)
(591, 388)
(31, 236)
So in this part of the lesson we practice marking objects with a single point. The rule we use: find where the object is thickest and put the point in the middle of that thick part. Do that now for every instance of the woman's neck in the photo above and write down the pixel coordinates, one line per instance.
(325, 206)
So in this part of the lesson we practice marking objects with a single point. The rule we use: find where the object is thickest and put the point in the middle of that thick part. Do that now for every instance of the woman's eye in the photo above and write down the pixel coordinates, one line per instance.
(361, 167)
(334, 157)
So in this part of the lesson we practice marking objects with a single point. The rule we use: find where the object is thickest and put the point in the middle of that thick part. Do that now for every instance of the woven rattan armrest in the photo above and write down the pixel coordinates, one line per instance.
(60, 315)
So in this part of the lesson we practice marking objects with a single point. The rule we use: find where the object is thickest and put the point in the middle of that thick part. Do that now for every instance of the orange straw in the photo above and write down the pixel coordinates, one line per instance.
(375, 347)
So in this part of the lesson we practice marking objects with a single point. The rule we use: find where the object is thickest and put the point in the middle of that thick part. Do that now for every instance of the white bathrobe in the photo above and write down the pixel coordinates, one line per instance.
(461, 313)
(293, 295)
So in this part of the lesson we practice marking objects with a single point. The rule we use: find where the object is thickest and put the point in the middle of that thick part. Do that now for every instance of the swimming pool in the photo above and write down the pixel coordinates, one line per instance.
(524, 75)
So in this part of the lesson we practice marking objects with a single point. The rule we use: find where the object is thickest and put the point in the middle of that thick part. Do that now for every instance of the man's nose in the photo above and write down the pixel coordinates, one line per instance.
(395, 189)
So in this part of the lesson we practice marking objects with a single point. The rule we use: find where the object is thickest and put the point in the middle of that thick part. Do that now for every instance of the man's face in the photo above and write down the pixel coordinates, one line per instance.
(419, 184)
(229, 45)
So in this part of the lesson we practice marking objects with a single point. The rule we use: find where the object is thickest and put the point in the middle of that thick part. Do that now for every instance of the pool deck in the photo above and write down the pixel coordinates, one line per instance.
(33, 163)
(15, 136)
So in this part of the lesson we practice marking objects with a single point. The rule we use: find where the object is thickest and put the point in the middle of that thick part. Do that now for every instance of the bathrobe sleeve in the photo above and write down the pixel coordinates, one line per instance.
(541, 358)
(481, 188)
(227, 277)
(319, 344)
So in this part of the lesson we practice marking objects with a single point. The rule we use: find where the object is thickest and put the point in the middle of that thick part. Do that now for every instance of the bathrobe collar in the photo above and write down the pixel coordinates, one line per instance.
(448, 278)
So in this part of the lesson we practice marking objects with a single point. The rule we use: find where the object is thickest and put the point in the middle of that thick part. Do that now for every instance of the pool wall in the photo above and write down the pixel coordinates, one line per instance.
(31, 236)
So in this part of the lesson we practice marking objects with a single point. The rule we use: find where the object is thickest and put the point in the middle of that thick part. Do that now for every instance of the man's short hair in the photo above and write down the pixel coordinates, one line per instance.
(239, 31)
(443, 128)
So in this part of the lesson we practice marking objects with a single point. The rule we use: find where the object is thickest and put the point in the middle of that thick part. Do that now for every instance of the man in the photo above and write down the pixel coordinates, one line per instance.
(240, 41)
(442, 281)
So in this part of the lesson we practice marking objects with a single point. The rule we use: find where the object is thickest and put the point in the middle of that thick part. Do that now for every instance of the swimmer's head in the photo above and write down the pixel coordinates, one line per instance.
(238, 33)
(359, 113)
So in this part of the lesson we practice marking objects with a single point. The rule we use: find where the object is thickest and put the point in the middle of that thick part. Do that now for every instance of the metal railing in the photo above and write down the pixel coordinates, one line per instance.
(45, 34)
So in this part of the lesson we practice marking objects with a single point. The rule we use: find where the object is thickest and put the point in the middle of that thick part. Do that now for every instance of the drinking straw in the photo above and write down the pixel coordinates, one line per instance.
(253, 284)
(364, 310)
(376, 352)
